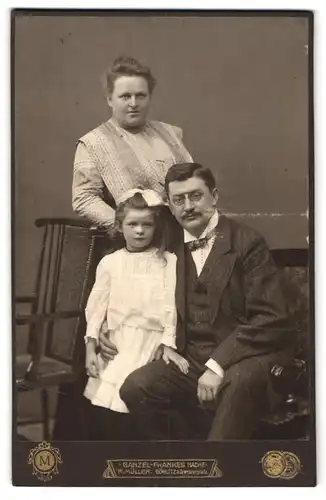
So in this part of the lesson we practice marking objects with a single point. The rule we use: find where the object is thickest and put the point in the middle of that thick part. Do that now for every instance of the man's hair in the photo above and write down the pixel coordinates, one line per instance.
(128, 66)
(184, 171)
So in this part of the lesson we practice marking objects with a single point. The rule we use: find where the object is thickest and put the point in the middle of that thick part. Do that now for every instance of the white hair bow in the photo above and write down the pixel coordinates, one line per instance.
(152, 198)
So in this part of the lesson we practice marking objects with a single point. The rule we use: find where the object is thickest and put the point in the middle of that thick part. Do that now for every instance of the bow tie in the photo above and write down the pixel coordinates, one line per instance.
(201, 243)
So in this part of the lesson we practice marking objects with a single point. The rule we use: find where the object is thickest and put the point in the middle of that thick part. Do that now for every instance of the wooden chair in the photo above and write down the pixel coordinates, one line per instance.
(292, 381)
(56, 323)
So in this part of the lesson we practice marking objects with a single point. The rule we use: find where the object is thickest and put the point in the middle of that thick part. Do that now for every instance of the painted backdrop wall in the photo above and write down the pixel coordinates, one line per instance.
(237, 86)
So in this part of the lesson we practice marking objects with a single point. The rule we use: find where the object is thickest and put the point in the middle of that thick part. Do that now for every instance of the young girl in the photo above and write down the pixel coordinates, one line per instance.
(134, 294)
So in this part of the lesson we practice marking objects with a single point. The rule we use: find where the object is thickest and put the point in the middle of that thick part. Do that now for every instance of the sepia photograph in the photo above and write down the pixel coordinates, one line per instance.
(163, 247)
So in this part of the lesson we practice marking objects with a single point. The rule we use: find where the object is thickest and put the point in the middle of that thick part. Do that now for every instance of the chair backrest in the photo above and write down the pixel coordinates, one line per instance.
(66, 272)
(296, 280)
(64, 278)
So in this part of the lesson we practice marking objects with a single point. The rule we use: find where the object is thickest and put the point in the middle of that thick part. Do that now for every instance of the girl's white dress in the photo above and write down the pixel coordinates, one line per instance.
(134, 296)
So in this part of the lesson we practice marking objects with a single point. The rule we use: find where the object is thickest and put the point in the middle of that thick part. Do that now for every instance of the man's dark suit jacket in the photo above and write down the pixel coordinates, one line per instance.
(247, 306)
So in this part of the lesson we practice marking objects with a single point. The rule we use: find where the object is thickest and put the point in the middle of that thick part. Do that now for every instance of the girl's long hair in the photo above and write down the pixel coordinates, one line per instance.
(137, 202)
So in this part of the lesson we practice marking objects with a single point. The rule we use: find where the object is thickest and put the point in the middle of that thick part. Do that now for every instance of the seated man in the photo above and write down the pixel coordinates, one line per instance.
(232, 319)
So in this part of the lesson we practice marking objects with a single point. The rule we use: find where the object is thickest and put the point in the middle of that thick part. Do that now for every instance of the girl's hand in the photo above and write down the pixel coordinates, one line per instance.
(158, 353)
(92, 365)
(171, 355)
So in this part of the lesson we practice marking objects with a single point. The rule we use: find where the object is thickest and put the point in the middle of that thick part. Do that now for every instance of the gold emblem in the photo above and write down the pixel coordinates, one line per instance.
(280, 464)
(293, 465)
(44, 459)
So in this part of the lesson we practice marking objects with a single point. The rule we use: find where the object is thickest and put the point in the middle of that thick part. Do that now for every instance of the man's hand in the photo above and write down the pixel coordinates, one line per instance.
(208, 386)
(107, 349)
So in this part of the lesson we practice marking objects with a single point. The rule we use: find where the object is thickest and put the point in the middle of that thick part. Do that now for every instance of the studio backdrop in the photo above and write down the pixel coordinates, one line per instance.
(237, 86)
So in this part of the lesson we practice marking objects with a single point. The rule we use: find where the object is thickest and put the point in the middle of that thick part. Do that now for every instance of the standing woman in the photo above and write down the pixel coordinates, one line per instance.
(125, 152)
(128, 150)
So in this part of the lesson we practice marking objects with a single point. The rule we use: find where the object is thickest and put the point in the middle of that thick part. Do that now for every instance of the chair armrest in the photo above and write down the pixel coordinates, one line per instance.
(44, 318)
(25, 299)
(287, 378)
(293, 368)
(39, 320)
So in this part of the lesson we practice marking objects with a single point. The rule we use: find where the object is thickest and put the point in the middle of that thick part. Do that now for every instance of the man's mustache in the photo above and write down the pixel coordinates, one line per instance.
(190, 214)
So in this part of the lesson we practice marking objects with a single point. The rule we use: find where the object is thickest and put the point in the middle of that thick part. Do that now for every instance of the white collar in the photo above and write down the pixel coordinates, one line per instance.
(212, 223)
